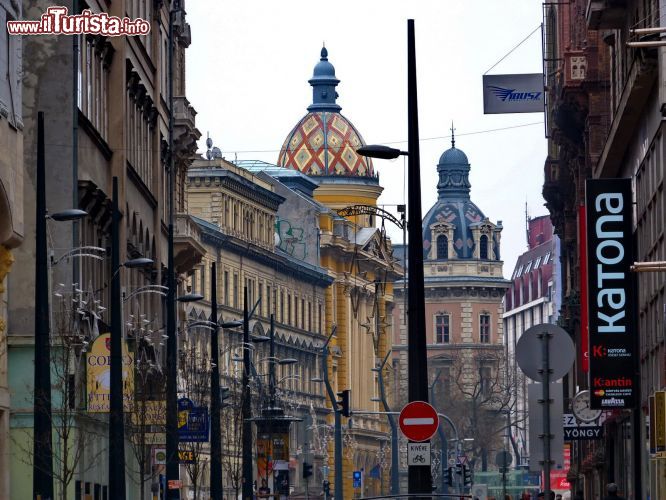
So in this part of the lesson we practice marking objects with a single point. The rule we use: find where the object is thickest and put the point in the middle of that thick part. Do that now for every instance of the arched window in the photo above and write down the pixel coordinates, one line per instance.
(483, 247)
(442, 247)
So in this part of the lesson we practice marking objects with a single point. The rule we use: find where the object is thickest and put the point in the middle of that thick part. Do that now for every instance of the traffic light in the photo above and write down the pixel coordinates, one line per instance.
(467, 475)
(449, 476)
(307, 470)
(345, 409)
(225, 393)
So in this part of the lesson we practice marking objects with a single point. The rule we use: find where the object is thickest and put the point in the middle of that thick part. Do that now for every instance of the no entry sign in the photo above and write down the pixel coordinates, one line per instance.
(418, 421)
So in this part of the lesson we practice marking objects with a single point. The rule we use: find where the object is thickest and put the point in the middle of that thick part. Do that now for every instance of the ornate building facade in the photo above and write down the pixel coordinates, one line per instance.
(11, 205)
(106, 115)
(358, 256)
(262, 237)
(464, 287)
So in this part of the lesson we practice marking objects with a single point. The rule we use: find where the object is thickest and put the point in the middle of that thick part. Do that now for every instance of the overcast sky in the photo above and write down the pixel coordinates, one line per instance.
(250, 61)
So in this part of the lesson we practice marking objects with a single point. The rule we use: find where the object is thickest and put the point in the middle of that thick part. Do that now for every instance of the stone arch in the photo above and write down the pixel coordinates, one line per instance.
(6, 222)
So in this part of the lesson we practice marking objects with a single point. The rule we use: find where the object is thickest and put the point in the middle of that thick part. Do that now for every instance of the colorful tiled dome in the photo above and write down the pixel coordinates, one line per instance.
(323, 142)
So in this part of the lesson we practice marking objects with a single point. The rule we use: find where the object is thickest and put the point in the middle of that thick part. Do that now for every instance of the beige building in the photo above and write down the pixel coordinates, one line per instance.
(110, 120)
(464, 287)
(11, 205)
(262, 236)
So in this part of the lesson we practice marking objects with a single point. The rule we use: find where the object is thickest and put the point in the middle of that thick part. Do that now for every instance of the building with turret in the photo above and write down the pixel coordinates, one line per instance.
(464, 287)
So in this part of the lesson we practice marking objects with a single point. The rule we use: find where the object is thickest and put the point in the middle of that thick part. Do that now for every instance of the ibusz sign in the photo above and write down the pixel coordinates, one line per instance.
(612, 332)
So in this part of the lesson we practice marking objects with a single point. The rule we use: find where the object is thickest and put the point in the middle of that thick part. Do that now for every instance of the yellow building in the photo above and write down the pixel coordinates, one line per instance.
(359, 257)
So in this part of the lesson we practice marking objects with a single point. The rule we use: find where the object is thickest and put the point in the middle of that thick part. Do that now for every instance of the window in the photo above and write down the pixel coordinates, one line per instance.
(319, 317)
(261, 298)
(236, 290)
(537, 262)
(310, 316)
(483, 247)
(485, 379)
(528, 267)
(226, 288)
(484, 328)
(442, 247)
(281, 307)
(303, 314)
(442, 329)
(520, 271)
(268, 301)
(546, 258)
(288, 309)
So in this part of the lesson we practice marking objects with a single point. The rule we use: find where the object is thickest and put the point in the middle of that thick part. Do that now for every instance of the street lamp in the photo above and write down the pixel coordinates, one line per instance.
(116, 417)
(420, 478)
(42, 469)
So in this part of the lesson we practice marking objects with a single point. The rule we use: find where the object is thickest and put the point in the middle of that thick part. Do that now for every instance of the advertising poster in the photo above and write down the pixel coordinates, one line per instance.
(612, 331)
(98, 374)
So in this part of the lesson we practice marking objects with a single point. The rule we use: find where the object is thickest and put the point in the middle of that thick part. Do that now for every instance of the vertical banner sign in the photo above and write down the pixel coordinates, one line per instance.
(610, 294)
(660, 421)
(584, 323)
(98, 375)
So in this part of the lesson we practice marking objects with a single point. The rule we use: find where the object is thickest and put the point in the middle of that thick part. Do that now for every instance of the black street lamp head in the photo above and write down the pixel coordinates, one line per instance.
(259, 338)
(190, 297)
(287, 361)
(69, 214)
(139, 262)
(231, 324)
(380, 152)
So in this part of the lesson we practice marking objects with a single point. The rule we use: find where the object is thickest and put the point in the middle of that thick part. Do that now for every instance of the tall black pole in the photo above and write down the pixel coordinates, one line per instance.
(172, 466)
(420, 479)
(271, 366)
(116, 419)
(246, 410)
(42, 468)
(215, 432)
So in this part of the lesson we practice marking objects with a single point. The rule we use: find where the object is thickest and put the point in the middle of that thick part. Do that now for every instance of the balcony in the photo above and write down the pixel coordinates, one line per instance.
(606, 14)
(185, 133)
(188, 252)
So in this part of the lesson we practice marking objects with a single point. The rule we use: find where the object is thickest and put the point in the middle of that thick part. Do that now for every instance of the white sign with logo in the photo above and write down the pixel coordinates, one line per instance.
(418, 453)
(522, 93)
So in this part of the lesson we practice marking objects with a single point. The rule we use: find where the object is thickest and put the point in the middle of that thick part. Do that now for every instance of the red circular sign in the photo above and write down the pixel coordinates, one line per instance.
(418, 421)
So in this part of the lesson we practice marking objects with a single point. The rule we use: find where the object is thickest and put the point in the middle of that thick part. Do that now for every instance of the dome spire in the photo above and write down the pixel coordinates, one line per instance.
(453, 135)
(453, 169)
(323, 83)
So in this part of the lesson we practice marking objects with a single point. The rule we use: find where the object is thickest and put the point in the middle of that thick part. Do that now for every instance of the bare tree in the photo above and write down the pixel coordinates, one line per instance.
(195, 372)
(231, 420)
(74, 324)
(148, 417)
(478, 392)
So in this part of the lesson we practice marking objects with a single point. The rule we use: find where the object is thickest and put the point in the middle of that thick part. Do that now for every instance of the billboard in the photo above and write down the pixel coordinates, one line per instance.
(193, 422)
(611, 331)
(98, 375)
(521, 93)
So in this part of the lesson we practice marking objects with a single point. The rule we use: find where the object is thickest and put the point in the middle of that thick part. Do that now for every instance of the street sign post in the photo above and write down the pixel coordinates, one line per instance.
(418, 421)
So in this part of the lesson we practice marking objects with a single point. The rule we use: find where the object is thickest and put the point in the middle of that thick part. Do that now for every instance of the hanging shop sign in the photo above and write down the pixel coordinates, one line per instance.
(612, 333)
(149, 413)
(193, 422)
(98, 375)
(521, 93)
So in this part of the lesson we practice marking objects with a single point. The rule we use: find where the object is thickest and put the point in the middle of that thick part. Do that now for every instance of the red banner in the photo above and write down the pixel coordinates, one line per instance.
(584, 323)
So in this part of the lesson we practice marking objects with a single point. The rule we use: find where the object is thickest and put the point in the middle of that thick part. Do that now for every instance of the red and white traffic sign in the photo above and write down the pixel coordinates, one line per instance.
(418, 421)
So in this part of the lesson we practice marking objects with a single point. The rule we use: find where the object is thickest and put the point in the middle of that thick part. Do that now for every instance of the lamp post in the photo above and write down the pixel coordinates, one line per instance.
(246, 410)
(395, 471)
(42, 468)
(116, 416)
(216, 490)
(420, 478)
